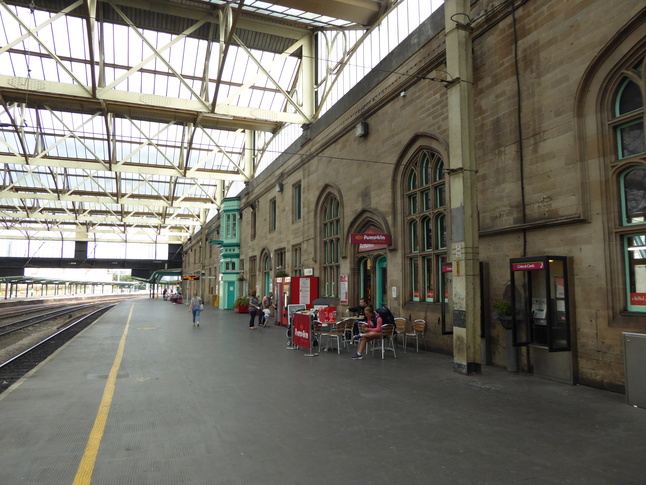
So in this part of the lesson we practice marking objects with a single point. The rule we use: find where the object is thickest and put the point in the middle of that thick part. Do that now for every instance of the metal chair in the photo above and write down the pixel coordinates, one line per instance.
(417, 332)
(400, 328)
(317, 333)
(346, 325)
(386, 342)
(335, 331)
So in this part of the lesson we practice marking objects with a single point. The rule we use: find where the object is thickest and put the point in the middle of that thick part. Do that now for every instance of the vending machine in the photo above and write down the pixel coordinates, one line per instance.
(282, 288)
(294, 290)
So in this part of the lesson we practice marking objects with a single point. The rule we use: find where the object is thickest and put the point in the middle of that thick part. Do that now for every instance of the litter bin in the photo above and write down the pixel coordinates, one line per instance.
(635, 368)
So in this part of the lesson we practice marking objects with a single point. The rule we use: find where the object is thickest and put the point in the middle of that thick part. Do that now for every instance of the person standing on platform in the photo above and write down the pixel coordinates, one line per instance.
(371, 331)
(254, 306)
(196, 308)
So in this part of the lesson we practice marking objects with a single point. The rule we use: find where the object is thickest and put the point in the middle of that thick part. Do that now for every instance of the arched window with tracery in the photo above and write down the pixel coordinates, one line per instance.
(330, 246)
(629, 164)
(425, 222)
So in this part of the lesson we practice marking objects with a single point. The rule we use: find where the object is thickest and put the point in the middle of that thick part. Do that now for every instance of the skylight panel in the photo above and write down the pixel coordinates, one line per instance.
(260, 4)
(295, 12)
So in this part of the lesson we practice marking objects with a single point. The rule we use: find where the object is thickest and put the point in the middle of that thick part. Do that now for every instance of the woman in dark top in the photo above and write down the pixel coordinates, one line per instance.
(254, 307)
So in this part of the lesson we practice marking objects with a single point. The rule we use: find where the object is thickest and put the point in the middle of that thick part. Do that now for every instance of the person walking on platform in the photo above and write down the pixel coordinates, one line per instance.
(196, 307)
(254, 306)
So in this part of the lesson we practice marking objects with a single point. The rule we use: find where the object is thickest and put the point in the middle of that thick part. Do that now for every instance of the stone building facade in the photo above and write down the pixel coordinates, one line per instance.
(558, 91)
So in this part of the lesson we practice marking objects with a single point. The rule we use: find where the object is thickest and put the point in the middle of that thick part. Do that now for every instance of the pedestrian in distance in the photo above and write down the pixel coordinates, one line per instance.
(196, 307)
(254, 306)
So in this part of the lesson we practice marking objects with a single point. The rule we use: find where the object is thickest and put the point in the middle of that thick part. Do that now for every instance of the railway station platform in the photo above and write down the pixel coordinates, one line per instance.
(143, 397)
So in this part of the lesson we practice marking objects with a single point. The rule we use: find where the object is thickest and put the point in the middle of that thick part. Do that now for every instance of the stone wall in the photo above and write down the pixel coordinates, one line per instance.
(564, 212)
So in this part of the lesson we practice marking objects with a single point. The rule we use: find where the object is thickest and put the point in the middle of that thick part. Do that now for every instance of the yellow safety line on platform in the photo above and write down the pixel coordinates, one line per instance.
(86, 467)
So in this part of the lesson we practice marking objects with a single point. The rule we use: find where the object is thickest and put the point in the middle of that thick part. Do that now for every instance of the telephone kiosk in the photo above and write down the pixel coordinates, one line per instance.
(541, 314)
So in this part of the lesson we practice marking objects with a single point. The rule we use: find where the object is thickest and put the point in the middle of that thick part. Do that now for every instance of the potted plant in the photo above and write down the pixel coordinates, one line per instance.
(502, 312)
(241, 305)
(281, 273)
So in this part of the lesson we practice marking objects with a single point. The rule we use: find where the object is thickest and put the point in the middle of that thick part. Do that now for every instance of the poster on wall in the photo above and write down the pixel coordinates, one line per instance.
(343, 290)
(304, 291)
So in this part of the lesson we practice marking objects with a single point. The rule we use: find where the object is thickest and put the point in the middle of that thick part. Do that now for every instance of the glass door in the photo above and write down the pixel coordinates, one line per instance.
(381, 295)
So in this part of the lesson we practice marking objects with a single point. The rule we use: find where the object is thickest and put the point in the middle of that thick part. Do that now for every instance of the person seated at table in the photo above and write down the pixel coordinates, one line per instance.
(359, 310)
(371, 330)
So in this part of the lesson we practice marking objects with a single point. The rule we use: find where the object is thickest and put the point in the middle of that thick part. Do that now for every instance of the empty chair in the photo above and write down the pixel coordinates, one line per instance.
(400, 329)
(318, 333)
(386, 342)
(417, 333)
(336, 332)
(346, 327)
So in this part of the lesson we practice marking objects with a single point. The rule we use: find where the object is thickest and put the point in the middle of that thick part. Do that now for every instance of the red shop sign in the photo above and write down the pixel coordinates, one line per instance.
(370, 238)
(527, 266)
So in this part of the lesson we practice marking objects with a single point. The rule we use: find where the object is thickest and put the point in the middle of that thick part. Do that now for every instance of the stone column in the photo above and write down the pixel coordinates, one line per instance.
(462, 185)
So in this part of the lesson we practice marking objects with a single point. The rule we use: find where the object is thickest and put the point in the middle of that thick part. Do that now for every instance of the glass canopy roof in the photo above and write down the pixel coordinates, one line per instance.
(128, 120)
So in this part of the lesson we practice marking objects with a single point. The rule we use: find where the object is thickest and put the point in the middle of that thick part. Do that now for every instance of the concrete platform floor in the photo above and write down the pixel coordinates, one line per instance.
(220, 404)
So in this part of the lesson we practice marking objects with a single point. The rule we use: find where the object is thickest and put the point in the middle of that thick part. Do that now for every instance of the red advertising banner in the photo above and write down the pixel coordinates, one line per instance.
(527, 266)
(327, 314)
(638, 299)
(302, 329)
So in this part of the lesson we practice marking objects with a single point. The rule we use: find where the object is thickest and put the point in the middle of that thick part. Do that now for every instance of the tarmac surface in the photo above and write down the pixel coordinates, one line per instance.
(143, 397)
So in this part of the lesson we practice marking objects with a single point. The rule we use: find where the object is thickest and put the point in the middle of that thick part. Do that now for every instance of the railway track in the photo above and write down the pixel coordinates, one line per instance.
(15, 367)
(13, 323)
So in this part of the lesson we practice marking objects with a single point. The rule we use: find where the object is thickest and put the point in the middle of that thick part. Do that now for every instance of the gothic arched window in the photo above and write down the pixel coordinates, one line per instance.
(425, 193)
(627, 125)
